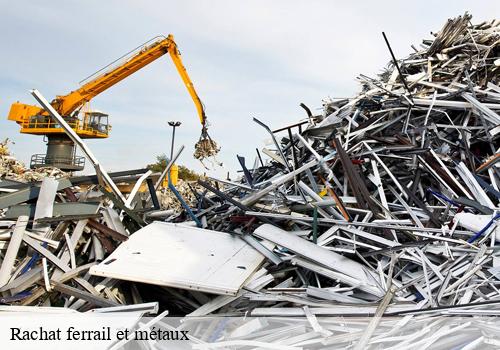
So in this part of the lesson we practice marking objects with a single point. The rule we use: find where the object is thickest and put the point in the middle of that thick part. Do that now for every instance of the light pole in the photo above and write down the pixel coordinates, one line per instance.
(173, 125)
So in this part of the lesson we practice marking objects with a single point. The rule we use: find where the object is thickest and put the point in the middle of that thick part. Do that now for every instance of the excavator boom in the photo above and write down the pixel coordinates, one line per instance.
(65, 105)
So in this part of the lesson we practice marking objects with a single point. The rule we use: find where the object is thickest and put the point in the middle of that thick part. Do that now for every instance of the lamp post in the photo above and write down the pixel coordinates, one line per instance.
(173, 125)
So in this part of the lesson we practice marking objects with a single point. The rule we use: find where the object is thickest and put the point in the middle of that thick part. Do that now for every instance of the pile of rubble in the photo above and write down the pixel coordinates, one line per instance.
(11, 168)
(187, 190)
(390, 194)
(386, 204)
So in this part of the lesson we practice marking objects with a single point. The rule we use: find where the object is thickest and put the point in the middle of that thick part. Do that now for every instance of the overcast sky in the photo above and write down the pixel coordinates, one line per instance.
(246, 58)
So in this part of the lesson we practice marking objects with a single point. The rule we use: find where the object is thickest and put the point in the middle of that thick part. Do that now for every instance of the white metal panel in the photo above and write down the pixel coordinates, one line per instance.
(45, 204)
(184, 257)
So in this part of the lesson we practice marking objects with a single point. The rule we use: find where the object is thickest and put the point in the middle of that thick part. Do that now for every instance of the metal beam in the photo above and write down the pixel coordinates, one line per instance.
(77, 140)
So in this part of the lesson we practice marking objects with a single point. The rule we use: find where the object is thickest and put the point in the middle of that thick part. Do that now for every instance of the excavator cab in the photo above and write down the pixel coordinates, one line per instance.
(97, 121)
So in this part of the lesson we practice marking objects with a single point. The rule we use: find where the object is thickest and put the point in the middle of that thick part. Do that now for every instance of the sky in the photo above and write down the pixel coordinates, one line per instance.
(246, 58)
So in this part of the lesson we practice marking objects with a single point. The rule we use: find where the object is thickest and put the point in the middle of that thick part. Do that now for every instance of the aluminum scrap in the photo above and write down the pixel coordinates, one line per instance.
(385, 204)
(402, 180)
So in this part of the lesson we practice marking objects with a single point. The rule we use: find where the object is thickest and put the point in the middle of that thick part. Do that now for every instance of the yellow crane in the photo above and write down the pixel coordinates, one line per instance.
(93, 124)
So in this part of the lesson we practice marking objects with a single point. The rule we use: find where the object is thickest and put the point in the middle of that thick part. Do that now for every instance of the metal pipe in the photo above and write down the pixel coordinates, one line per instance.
(167, 169)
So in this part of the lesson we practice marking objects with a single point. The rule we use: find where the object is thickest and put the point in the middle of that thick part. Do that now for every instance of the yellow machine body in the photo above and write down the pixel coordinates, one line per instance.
(173, 175)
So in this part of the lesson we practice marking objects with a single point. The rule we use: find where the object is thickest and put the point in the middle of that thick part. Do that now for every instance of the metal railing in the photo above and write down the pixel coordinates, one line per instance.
(76, 125)
(47, 124)
(41, 160)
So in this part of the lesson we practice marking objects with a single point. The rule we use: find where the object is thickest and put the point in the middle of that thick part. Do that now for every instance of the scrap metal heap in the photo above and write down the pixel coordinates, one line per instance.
(386, 204)
(11, 168)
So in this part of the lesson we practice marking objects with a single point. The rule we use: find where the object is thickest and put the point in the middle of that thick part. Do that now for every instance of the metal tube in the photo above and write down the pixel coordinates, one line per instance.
(254, 197)
(167, 169)
(173, 140)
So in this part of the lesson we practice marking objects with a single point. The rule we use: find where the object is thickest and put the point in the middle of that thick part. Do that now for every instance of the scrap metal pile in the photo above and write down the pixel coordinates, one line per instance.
(11, 168)
(391, 194)
(387, 203)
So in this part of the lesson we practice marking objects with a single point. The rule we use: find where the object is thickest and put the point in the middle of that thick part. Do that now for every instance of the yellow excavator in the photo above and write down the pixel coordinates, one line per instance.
(61, 150)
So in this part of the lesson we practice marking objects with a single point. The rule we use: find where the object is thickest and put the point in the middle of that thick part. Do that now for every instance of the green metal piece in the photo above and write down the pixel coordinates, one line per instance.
(86, 209)
(24, 195)
(76, 217)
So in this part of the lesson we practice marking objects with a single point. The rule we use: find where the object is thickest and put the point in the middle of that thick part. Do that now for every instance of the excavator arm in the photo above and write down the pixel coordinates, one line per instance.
(65, 105)
(60, 149)
(176, 58)
(73, 101)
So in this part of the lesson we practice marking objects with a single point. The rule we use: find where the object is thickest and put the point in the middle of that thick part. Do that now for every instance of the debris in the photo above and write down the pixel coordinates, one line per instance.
(386, 204)
(206, 148)
(12, 169)
(168, 200)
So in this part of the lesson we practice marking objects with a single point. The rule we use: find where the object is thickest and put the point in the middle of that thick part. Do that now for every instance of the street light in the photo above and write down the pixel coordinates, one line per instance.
(173, 124)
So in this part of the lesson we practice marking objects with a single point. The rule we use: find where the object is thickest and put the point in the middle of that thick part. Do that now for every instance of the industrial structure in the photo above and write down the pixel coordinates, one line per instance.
(61, 153)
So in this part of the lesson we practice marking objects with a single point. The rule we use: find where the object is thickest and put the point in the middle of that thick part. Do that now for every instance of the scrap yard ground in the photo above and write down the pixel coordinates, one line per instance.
(372, 222)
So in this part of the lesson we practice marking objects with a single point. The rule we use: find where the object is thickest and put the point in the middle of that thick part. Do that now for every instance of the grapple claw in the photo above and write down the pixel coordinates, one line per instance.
(205, 147)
